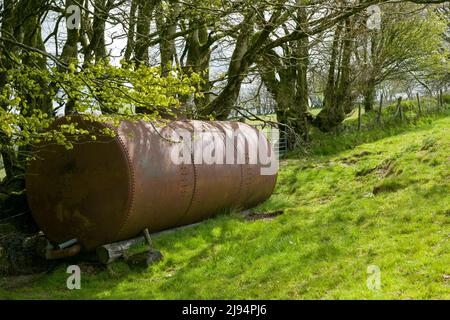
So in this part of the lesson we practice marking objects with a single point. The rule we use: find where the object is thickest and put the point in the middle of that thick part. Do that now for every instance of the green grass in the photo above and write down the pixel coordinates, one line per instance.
(370, 198)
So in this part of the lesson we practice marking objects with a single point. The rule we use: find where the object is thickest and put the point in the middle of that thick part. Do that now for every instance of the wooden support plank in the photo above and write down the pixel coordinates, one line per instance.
(109, 253)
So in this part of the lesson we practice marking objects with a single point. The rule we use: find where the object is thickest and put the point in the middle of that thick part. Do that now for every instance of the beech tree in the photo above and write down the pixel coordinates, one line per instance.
(407, 41)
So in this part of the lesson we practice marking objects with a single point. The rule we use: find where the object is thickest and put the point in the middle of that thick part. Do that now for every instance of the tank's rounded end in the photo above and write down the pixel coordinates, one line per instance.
(83, 193)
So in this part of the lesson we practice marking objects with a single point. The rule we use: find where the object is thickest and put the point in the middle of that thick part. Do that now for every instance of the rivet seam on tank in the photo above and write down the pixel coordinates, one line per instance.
(194, 189)
(241, 201)
(131, 191)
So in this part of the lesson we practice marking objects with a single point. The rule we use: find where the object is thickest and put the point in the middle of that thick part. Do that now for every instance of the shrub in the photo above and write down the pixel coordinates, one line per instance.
(446, 98)
(407, 105)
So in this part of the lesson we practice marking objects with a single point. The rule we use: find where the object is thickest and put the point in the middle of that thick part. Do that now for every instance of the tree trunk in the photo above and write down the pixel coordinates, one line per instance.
(167, 29)
(419, 105)
(369, 96)
(10, 161)
(237, 70)
(380, 109)
(290, 88)
(7, 30)
(338, 99)
(131, 31)
(359, 117)
(97, 47)
(331, 114)
(145, 10)
(198, 58)
(69, 56)
(301, 102)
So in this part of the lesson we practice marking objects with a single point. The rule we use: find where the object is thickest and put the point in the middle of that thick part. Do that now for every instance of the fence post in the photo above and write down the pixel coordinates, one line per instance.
(307, 129)
(359, 117)
(401, 112)
(419, 105)
(380, 109)
(399, 108)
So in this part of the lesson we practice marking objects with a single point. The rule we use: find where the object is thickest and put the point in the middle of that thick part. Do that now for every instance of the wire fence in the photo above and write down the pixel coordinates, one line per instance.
(281, 145)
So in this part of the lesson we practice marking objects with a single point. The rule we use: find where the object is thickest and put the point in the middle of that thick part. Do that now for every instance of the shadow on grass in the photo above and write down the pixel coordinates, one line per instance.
(210, 261)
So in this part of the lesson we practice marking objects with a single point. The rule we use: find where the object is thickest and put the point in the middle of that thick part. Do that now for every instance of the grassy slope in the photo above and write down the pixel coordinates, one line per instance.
(333, 228)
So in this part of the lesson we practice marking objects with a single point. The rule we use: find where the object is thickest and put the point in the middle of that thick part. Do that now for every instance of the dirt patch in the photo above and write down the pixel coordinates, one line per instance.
(363, 154)
(428, 144)
(385, 169)
(91, 268)
(263, 216)
(354, 158)
(349, 161)
(15, 282)
(388, 186)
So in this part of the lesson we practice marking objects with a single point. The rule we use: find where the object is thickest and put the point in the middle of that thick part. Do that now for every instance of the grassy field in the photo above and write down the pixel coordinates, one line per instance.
(372, 198)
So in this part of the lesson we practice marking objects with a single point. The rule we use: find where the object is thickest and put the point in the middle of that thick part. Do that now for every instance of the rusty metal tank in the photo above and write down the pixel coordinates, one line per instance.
(111, 189)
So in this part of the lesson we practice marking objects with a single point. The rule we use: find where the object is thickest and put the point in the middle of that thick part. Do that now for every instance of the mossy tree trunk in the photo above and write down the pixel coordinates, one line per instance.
(167, 22)
(337, 96)
(369, 96)
(237, 71)
(145, 10)
(198, 58)
(285, 77)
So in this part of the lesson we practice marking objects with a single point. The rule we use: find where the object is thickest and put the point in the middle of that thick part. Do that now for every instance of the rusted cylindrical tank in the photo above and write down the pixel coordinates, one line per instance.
(111, 189)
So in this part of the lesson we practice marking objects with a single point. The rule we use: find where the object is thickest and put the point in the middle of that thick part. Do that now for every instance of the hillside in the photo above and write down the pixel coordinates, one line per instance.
(384, 202)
